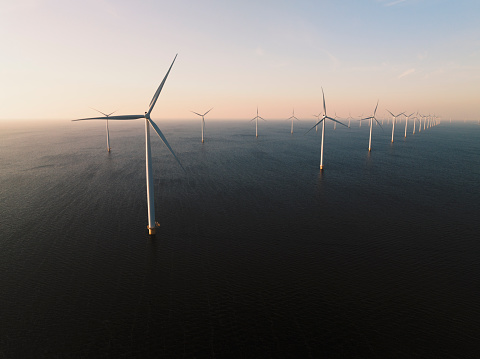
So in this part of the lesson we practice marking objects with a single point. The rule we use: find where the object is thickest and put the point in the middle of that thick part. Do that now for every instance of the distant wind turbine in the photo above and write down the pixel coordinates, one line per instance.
(371, 118)
(256, 118)
(393, 121)
(292, 118)
(349, 118)
(203, 120)
(406, 123)
(152, 224)
(317, 116)
(325, 117)
(108, 135)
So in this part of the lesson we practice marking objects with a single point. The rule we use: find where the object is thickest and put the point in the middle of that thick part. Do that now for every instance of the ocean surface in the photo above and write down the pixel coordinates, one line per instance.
(259, 254)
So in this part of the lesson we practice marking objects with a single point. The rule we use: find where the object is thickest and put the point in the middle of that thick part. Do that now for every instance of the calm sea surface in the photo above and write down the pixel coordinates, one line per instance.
(258, 254)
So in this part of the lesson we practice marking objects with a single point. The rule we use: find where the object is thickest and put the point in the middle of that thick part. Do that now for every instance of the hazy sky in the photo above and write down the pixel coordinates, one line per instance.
(60, 57)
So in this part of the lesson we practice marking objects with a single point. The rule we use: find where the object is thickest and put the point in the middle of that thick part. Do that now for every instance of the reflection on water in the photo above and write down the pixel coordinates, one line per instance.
(259, 252)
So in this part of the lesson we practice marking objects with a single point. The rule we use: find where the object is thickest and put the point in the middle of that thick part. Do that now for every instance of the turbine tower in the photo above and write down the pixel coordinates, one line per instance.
(152, 224)
(292, 118)
(371, 118)
(203, 120)
(324, 117)
(394, 119)
(256, 122)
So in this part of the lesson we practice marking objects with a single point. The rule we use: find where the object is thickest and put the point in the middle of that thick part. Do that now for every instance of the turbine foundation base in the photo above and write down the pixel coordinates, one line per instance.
(321, 167)
(152, 231)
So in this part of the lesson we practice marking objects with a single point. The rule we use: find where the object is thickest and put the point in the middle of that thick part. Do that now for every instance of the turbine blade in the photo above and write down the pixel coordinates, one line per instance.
(324, 107)
(104, 114)
(332, 119)
(160, 134)
(111, 113)
(157, 93)
(315, 125)
(208, 111)
(123, 117)
(378, 123)
(374, 112)
(196, 113)
(391, 113)
(261, 118)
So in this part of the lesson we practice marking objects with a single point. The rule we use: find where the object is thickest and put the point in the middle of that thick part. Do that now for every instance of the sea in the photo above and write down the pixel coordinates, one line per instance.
(259, 254)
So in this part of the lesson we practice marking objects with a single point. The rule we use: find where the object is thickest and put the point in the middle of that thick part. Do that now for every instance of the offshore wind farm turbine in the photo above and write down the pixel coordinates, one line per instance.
(152, 224)
(371, 118)
(203, 120)
(108, 135)
(324, 118)
(256, 122)
(292, 118)
(406, 123)
(394, 119)
(318, 117)
(349, 118)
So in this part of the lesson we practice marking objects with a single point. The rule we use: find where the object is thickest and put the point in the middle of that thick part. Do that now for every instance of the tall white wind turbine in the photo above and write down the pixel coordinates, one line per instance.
(324, 118)
(406, 123)
(394, 119)
(371, 118)
(292, 118)
(108, 134)
(203, 120)
(152, 224)
(256, 118)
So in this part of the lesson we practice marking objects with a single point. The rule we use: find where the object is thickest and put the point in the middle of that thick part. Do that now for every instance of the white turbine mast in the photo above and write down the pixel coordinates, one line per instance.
(394, 120)
(371, 118)
(108, 134)
(203, 120)
(292, 118)
(406, 122)
(152, 224)
(256, 118)
(324, 117)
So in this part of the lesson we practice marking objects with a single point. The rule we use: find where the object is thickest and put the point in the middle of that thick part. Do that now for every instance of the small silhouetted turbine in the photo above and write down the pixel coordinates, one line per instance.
(108, 134)
(203, 120)
(292, 118)
(256, 118)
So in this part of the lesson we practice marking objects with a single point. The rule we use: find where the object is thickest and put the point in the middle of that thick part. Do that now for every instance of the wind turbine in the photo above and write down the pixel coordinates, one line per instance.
(393, 121)
(256, 122)
(349, 118)
(108, 135)
(203, 120)
(324, 117)
(371, 118)
(152, 224)
(292, 118)
(317, 116)
(406, 123)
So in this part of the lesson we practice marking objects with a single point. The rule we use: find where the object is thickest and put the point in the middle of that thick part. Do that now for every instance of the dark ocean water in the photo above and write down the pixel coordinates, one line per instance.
(258, 254)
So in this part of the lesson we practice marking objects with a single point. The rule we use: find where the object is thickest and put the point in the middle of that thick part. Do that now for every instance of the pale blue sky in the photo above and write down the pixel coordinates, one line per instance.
(58, 58)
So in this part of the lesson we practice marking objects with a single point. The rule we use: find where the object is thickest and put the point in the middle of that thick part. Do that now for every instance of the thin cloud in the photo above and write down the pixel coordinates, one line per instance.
(394, 2)
(406, 73)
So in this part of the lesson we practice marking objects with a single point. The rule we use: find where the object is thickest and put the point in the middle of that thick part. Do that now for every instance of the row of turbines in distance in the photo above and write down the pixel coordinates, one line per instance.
(428, 121)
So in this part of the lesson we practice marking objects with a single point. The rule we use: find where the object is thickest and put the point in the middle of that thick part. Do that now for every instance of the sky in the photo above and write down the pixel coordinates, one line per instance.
(59, 58)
